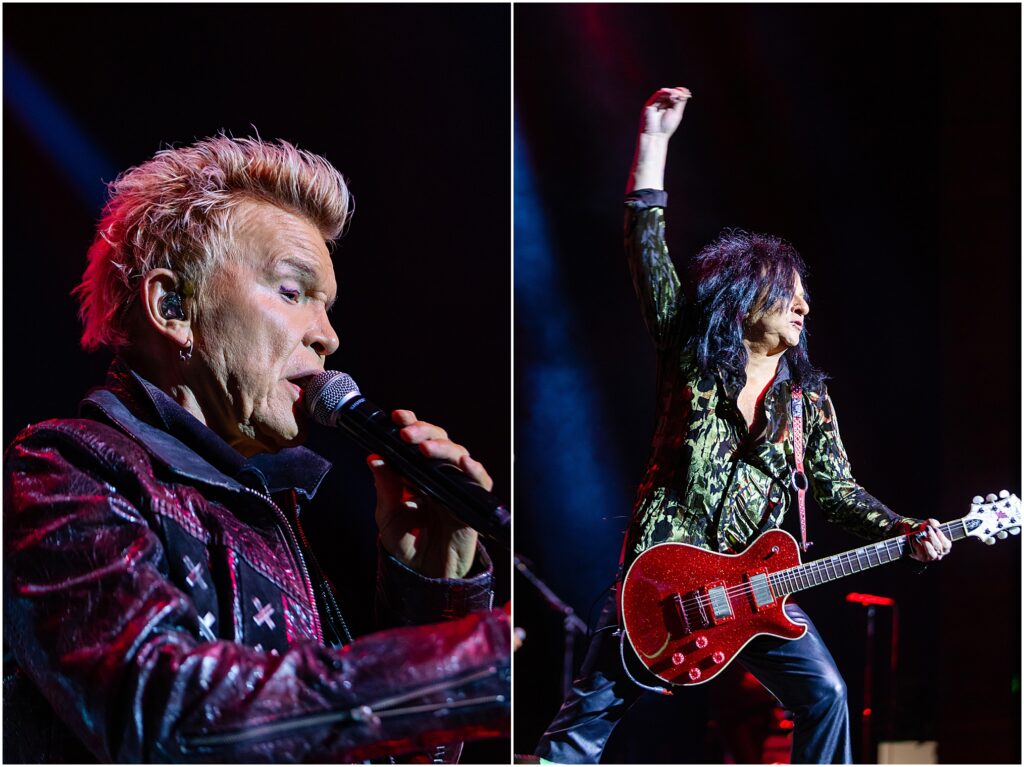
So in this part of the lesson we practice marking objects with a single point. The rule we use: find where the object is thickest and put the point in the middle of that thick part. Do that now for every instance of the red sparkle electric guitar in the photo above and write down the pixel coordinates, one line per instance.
(687, 612)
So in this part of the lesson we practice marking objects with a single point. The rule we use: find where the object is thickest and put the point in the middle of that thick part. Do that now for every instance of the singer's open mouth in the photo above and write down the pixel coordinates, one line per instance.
(300, 382)
(302, 379)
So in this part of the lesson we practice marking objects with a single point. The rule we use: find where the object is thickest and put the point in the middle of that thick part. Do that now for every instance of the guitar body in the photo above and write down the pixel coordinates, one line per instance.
(687, 612)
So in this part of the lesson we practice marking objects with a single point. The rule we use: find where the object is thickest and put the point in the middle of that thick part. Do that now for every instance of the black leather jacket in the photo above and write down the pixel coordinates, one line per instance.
(159, 606)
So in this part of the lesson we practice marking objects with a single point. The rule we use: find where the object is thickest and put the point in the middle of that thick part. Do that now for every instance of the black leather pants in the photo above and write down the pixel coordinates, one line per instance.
(800, 673)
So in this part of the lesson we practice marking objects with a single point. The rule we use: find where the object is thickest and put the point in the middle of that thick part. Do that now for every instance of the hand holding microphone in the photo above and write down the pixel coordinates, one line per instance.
(421, 535)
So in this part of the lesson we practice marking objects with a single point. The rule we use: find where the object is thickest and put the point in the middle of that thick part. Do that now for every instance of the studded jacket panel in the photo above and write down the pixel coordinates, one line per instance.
(709, 481)
(172, 620)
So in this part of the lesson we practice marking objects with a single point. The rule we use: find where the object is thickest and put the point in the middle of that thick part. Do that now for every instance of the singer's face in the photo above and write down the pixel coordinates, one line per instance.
(779, 328)
(263, 329)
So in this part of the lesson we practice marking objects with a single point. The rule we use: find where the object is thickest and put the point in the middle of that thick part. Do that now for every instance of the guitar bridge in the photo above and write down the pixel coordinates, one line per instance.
(686, 613)
(684, 622)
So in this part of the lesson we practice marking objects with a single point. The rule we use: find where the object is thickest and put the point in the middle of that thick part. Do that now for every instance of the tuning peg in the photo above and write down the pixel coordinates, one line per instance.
(990, 497)
(977, 500)
(1004, 493)
(1001, 535)
(988, 541)
(1014, 531)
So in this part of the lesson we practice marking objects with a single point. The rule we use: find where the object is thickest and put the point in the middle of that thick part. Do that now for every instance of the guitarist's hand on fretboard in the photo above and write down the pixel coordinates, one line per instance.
(928, 543)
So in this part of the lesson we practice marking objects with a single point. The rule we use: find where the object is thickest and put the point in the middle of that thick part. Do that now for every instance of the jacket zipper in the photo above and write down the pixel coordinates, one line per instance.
(333, 605)
(297, 552)
(330, 603)
(283, 729)
(366, 713)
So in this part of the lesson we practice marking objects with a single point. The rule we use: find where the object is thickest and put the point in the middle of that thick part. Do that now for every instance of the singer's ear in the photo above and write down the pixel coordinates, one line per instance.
(164, 307)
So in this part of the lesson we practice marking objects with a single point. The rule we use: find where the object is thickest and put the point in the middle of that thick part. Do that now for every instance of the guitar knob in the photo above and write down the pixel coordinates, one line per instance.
(718, 656)
(702, 642)
(677, 659)
(694, 674)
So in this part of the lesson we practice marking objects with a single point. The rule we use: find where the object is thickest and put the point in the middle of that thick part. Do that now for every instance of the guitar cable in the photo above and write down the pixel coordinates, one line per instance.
(633, 679)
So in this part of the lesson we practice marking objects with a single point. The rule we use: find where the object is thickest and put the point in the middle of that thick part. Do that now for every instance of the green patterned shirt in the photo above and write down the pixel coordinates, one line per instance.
(709, 481)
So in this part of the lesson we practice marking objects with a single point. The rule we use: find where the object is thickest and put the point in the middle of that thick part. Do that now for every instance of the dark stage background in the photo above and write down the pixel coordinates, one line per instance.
(410, 103)
(884, 142)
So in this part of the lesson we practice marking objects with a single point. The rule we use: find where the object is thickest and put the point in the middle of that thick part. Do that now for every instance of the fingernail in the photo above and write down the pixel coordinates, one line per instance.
(376, 463)
(412, 504)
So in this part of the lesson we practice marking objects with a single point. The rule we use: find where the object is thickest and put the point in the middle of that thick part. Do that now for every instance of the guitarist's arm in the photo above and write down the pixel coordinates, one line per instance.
(654, 276)
(848, 504)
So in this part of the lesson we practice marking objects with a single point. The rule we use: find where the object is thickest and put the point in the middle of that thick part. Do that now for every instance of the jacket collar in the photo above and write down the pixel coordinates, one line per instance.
(782, 375)
(190, 449)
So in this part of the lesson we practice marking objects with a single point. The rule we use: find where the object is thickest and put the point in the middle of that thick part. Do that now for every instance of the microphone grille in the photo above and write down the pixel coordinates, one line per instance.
(325, 393)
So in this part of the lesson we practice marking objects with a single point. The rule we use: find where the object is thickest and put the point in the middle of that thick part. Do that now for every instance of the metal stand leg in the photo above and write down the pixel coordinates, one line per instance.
(572, 625)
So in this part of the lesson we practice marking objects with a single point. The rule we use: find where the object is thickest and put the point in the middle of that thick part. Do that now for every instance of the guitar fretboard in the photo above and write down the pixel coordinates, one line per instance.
(839, 566)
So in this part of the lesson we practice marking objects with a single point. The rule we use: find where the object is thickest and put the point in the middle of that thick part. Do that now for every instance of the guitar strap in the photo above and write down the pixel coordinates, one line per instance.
(799, 479)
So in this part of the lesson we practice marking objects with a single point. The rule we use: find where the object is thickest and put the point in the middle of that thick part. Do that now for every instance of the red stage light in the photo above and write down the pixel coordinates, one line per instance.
(869, 599)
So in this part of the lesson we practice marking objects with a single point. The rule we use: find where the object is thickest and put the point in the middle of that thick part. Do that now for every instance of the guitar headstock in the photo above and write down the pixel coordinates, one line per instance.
(993, 517)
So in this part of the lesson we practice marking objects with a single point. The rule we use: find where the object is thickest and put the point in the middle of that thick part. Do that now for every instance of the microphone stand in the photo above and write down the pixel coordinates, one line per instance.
(571, 623)
(869, 733)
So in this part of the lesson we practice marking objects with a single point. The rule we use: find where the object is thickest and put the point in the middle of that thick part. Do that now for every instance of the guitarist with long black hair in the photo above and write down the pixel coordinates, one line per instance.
(744, 420)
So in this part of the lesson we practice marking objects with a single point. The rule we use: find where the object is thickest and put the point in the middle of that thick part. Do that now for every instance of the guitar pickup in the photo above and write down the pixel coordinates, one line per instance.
(718, 600)
(760, 590)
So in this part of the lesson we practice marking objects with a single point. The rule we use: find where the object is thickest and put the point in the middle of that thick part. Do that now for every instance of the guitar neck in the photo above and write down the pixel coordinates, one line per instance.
(850, 562)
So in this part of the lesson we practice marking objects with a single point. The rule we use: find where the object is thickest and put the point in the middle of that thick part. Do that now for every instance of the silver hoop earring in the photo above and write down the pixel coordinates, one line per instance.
(186, 354)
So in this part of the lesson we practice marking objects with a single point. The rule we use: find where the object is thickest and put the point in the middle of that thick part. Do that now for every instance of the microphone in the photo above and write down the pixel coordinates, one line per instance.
(333, 399)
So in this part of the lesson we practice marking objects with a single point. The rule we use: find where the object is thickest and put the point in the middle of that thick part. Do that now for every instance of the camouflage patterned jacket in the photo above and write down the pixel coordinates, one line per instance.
(709, 482)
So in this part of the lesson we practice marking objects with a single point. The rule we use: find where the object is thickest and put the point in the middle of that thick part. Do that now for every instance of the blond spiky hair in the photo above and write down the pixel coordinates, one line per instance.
(172, 212)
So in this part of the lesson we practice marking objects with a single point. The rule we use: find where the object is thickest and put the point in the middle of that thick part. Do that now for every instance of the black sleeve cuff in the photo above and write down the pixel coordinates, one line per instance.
(405, 597)
(647, 198)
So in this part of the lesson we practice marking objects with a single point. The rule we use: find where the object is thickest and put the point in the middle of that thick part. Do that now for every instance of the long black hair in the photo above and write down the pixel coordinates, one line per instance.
(734, 278)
